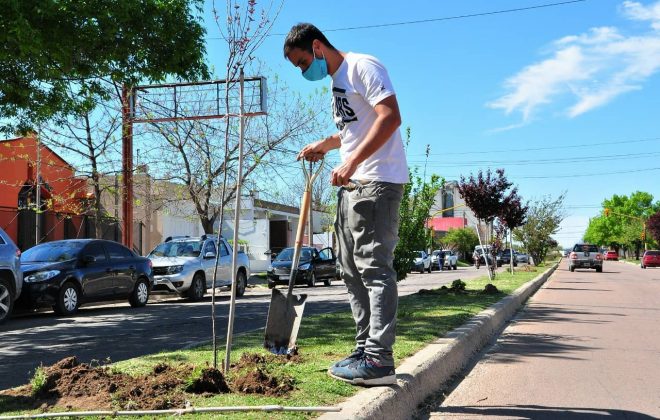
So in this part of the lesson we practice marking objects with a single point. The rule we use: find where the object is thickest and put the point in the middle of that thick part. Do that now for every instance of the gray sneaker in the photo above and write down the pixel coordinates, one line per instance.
(357, 354)
(366, 371)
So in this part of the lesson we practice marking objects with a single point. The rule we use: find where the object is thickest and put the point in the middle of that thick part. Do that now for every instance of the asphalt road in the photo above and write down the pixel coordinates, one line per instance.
(119, 332)
(587, 346)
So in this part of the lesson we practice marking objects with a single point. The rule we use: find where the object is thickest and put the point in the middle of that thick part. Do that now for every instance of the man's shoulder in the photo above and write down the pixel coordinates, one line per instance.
(356, 59)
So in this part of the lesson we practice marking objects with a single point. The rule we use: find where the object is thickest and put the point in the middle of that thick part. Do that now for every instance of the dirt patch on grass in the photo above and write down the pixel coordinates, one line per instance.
(73, 385)
(255, 374)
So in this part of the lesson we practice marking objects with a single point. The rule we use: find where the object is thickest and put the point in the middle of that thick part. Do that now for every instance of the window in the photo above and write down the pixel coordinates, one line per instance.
(223, 250)
(117, 252)
(209, 247)
(95, 249)
(325, 254)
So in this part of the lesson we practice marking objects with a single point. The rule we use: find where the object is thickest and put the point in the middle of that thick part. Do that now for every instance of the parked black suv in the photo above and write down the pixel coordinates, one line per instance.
(66, 274)
(314, 265)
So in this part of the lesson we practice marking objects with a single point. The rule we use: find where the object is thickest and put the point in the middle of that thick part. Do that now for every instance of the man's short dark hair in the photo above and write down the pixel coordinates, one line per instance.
(301, 36)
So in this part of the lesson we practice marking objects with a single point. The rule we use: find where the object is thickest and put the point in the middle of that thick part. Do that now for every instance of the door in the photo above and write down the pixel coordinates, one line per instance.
(208, 263)
(326, 263)
(97, 276)
(224, 265)
(122, 262)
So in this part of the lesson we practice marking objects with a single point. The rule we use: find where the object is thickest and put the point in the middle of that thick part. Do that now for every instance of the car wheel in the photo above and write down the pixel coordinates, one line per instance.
(571, 269)
(68, 300)
(197, 289)
(599, 269)
(311, 282)
(271, 284)
(641, 266)
(241, 282)
(430, 269)
(6, 300)
(328, 281)
(140, 295)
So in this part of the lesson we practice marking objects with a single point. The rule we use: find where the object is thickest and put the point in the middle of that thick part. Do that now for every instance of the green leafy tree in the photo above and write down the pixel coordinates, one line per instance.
(58, 56)
(543, 219)
(418, 197)
(462, 240)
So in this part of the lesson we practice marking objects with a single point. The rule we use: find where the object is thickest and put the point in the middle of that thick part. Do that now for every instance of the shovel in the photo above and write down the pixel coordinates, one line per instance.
(285, 311)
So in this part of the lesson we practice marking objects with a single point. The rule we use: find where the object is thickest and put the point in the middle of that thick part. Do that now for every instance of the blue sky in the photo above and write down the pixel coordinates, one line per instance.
(564, 98)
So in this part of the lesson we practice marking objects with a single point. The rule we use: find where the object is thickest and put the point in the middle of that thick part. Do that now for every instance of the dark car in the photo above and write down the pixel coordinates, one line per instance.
(314, 265)
(651, 259)
(504, 258)
(66, 274)
(11, 278)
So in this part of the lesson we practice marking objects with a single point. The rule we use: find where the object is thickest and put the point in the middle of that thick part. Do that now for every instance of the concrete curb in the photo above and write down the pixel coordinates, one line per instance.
(434, 366)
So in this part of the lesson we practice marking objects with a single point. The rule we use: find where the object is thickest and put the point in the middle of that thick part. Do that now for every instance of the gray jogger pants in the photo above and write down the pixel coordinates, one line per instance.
(367, 228)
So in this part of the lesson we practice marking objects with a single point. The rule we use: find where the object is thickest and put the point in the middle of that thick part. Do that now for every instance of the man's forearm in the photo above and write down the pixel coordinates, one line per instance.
(331, 142)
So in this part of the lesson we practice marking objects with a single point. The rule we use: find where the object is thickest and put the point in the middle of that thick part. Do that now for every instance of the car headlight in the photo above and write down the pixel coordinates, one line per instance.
(174, 269)
(304, 266)
(41, 276)
(270, 268)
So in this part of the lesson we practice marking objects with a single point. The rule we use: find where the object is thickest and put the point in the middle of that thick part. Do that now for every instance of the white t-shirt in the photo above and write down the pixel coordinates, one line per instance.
(358, 85)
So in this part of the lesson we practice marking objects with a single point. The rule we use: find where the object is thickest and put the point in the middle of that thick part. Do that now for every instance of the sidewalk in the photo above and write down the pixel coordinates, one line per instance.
(586, 346)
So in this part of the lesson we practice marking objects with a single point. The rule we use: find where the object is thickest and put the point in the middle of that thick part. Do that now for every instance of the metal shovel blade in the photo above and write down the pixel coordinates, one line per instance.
(284, 316)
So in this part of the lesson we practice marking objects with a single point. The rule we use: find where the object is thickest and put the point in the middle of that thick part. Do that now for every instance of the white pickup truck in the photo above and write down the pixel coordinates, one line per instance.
(184, 265)
(447, 256)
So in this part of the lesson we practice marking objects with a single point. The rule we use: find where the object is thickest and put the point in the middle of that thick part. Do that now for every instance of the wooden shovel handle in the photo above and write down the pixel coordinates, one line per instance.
(302, 222)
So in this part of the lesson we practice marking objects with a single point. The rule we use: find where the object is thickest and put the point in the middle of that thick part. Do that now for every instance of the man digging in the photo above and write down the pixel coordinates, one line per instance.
(371, 178)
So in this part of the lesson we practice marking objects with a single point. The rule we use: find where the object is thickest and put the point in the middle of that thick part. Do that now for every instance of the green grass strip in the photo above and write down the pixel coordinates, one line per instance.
(324, 339)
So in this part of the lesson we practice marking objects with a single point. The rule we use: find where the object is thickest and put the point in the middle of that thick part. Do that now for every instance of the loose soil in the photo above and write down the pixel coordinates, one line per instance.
(72, 385)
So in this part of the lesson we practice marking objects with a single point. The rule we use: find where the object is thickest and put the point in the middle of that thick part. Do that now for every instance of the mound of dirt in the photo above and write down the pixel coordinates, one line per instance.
(259, 381)
(491, 289)
(254, 374)
(75, 385)
(212, 381)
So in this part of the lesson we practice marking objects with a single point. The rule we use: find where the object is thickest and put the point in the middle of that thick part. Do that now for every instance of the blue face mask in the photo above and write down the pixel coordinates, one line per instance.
(317, 70)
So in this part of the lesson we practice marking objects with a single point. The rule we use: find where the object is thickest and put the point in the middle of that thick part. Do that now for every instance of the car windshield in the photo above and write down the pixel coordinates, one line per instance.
(287, 254)
(585, 248)
(437, 253)
(652, 253)
(53, 252)
(420, 254)
(178, 249)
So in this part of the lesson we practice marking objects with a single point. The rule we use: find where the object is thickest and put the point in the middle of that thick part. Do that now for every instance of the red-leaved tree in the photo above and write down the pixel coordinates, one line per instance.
(484, 196)
(653, 226)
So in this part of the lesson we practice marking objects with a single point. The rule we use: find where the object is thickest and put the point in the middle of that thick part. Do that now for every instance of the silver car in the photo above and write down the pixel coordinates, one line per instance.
(11, 277)
(184, 265)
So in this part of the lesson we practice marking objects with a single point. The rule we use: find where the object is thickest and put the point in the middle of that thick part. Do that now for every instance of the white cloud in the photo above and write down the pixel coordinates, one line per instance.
(592, 68)
(636, 11)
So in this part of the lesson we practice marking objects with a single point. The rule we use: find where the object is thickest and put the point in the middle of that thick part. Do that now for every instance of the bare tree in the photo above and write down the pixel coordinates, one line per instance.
(91, 139)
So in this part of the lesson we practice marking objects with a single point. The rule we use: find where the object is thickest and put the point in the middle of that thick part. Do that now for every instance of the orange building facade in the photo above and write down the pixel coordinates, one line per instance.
(63, 196)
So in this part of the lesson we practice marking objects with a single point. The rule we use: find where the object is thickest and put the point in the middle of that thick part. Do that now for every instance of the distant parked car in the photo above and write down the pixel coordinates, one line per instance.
(451, 260)
(65, 274)
(522, 257)
(651, 259)
(11, 277)
(422, 262)
(184, 265)
(313, 265)
(504, 257)
(611, 256)
(585, 256)
(437, 259)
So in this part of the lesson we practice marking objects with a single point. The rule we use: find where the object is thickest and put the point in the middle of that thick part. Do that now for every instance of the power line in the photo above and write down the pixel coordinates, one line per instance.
(440, 19)
(571, 146)
(523, 162)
